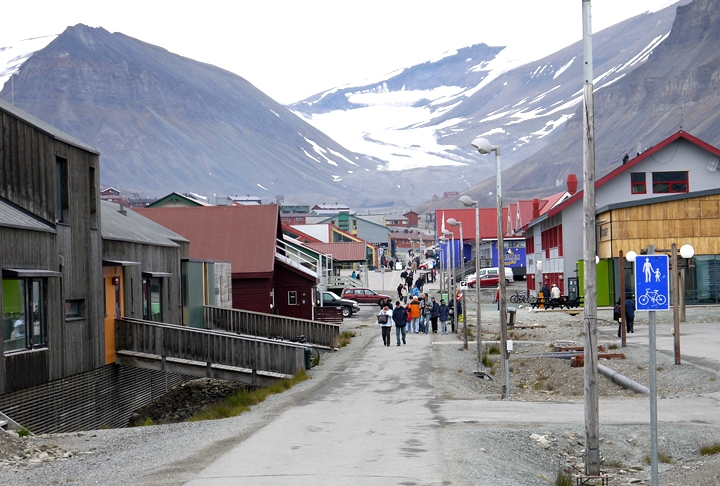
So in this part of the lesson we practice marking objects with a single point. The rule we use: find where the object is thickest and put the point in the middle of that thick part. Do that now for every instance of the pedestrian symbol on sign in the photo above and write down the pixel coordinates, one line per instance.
(652, 286)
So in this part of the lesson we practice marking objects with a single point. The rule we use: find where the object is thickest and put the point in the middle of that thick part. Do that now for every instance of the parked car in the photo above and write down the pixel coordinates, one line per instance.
(509, 276)
(486, 280)
(427, 265)
(363, 295)
(349, 307)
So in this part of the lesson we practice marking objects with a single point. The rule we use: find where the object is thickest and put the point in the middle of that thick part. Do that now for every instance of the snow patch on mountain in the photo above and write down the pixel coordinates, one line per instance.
(12, 57)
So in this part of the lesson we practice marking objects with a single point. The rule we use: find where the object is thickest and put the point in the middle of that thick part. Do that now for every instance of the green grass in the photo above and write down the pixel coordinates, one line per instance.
(244, 399)
(147, 421)
(613, 346)
(662, 458)
(494, 350)
(615, 464)
(563, 479)
(486, 361)
(345, 338)
(23, 432)
(710, 449)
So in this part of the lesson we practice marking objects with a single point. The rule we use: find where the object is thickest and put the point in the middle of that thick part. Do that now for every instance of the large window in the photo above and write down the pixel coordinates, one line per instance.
(637, 183)
(62, 197)
(152, 299)
(669, 182)
(24, 321)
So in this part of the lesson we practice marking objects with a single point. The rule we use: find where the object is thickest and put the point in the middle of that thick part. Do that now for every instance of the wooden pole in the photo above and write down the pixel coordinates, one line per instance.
(676, 302)
(622, 327)
(592, 427)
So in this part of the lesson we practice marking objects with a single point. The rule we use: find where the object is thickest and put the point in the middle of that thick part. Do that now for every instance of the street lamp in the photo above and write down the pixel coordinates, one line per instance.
(452, 283)
(485, 147)
(469, 202)
(454, 222)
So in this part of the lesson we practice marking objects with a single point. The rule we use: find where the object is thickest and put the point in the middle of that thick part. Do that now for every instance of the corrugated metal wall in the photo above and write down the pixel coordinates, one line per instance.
(105, 397)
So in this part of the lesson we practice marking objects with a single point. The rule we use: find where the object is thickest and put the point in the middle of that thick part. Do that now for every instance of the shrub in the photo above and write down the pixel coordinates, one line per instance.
(709, 449)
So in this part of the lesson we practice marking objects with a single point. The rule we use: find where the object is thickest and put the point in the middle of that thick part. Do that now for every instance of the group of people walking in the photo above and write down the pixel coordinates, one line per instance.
(421, 315)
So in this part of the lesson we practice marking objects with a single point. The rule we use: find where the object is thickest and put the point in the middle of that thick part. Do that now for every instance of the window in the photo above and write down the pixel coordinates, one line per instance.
(292, 297)
(74, 309)
(152, 299)
(92, 194)
(669, 182)
(62, 199)
(24, 321)
(637, 183)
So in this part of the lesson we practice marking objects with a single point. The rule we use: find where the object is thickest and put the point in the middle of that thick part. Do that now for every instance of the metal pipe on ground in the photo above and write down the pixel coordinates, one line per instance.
(622, 380)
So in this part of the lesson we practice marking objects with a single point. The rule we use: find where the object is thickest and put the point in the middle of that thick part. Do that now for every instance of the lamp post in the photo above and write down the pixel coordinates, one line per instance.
(443, 263)
(485, 147)
(469, 202)
(454, 222)
(452, 283)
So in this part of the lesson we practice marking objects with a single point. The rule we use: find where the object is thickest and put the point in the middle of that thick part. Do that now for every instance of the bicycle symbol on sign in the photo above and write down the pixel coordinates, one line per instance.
(654, 297)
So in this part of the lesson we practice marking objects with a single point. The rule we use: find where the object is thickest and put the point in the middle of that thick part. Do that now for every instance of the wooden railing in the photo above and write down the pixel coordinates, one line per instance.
(206, 346)
(271, 325)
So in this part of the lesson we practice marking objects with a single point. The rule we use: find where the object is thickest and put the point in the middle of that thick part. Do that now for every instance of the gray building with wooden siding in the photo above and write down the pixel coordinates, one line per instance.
(51, 265)
(57, 370)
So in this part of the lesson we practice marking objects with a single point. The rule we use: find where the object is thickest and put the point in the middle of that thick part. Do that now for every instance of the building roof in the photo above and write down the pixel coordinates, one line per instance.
(176, 199)
(12, 216)
(45, 127)
(133, 227)
(243, 235)
(488, 222)
(351, 251)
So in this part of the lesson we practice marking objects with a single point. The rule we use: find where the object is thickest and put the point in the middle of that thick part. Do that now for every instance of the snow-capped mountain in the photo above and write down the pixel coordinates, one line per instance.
(166, 123)
(428, 114)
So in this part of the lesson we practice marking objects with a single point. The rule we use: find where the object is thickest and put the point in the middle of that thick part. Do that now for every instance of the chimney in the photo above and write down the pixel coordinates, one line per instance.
(572, 183)
(536, 208)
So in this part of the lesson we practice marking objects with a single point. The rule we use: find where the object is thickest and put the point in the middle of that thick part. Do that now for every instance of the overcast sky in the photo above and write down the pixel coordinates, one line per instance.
(291, 49)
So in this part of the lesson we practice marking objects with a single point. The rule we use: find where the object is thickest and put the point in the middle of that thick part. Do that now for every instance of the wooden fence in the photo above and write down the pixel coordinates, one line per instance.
(208, 347)
(269, 325)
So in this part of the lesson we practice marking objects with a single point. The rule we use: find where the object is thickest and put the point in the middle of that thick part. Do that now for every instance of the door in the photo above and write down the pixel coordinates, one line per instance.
(112, 277)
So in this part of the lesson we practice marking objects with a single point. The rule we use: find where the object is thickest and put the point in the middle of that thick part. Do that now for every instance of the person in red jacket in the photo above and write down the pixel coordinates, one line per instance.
(414, 315)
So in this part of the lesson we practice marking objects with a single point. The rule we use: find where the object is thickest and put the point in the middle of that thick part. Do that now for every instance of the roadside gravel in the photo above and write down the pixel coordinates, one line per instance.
(174, 453)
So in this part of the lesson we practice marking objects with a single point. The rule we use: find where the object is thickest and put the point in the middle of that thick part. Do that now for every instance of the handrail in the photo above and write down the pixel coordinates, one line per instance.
(271, 325)
(212, 347)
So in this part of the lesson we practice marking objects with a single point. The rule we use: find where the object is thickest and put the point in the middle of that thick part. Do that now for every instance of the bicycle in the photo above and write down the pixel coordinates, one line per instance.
(314, 353)
(654, 297)
(519, 297)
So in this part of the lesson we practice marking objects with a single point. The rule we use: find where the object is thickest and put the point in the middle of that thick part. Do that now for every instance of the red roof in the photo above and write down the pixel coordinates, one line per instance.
(347, 251)
(488, 222)
(243, 235)
(632, 163)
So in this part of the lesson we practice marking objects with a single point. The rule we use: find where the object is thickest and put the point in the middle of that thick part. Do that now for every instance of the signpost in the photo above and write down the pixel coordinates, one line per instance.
(652, 289)
(652, 283)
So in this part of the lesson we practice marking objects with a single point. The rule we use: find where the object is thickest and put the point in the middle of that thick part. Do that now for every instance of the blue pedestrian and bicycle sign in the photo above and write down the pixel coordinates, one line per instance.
(652, 285)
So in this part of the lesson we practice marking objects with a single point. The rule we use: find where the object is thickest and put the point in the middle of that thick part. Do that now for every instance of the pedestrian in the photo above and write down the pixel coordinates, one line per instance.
(404, 294)
(616, 316)
(419, 283)
(434, 314)
(414, 315)
(555, 292)
(399, 291)
(400, 319)
(353, 275)
(424, 313)
(443, 315)
(385, 301)
(629, 314)
(386, 321)
(546, 292)
(459, 310)
(497, 297)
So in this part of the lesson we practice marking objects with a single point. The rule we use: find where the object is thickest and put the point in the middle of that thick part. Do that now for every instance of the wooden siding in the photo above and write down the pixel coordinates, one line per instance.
(102, 398)
(251, 294)
(285, 281)
(27, 179)
(270, 325)
(152, 258)
(694, 221)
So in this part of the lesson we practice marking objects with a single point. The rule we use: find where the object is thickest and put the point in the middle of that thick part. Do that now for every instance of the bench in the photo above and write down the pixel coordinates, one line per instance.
(583, 479)
(563, 301)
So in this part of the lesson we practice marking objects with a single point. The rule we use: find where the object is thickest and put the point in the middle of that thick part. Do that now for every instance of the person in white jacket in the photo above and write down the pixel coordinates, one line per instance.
(386, 321)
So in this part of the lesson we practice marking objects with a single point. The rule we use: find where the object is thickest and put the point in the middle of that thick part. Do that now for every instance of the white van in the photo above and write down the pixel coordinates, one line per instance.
(509, 277)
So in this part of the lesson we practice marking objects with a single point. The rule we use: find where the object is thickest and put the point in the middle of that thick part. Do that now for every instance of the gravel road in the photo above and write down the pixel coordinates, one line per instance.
(499, 454)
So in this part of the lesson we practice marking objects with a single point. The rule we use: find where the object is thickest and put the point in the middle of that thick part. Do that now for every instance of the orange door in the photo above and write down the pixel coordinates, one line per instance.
(112, 277)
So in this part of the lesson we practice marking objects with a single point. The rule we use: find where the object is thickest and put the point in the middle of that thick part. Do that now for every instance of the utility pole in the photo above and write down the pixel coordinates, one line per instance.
(592, 426)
